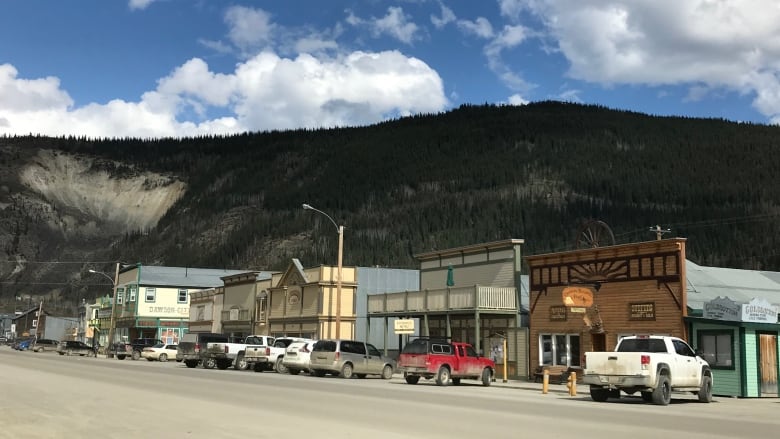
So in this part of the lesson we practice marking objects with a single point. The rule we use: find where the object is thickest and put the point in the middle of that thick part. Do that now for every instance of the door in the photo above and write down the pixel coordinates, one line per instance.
(374, 360)
(687, 365)
(599, 342)
(768, 364)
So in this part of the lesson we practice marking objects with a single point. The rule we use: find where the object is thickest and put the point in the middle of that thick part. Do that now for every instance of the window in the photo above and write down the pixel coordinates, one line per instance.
(182, 296)
(151, 294)
(35, 323)
(717, 348)
(120, 296)
(559, 349)
(133, 291)
(201, 313)
(373, 351)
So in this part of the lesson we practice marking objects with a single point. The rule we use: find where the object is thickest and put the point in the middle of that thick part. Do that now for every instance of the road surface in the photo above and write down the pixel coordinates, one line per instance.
(50, 396)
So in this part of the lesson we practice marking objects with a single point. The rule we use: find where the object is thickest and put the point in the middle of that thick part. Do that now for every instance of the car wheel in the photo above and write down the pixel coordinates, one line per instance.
(191, 363)
(487, 377)
(136, 355)
(163, 357)
(240, 364)
(412, 379)
(443, 376)
(705, 391)
(598, 394)
(209, 363)
(223, 364)
(149, 359)
(387, 372)
(346, 371)
(280, 367)
(662, 395)
(120, 357)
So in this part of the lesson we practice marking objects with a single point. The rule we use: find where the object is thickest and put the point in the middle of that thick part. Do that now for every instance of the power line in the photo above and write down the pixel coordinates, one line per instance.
(57, 262)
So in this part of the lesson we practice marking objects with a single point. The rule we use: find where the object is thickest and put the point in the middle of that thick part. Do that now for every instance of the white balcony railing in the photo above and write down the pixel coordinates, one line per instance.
(446, 299)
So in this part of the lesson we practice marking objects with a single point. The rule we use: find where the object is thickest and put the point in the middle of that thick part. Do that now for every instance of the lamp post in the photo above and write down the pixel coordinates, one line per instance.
(340, 231)
(112, 325)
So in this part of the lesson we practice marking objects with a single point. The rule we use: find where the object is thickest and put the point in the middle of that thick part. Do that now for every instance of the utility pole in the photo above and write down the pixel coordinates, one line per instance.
(659, 232)
(38, 328)
(112, 326)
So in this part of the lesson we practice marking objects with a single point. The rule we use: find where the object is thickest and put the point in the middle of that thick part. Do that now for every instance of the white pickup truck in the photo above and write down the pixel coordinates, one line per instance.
(222, 354)
(270, 356)
(655, 366)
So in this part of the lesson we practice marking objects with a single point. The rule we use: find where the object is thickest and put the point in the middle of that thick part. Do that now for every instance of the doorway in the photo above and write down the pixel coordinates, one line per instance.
(767, 361)
(599, 342)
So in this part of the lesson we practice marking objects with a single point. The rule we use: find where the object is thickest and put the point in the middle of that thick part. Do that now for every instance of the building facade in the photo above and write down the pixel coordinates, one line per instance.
(472, 294)
(242, 293)
(206, 310)
(154, 301)
(586, 300)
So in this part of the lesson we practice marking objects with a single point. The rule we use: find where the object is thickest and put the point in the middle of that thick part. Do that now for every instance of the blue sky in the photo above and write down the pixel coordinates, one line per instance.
(157, 68)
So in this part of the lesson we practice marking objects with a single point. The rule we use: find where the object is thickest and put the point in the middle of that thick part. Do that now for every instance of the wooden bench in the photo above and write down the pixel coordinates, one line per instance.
(558, 373)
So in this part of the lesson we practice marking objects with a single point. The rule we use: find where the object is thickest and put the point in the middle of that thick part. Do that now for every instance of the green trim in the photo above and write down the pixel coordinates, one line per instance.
(138, 284)
(758, 334)
(743, 362)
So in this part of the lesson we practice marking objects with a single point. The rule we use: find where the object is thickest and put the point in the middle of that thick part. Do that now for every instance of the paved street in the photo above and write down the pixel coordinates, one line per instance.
(49, 396)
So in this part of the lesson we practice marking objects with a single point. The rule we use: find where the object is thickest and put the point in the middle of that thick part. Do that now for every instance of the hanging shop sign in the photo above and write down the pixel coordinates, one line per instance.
(641, 311)
(722, 308)
(577, 296)
(557, 313)
(759, 311)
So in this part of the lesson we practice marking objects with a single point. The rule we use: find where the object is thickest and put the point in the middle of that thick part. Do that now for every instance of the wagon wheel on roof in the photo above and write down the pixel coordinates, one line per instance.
(595, 233)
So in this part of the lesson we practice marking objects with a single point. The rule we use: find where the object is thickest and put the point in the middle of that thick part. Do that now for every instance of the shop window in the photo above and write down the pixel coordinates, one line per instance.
(717, 348)
(120, 296)
(182, 296)
(559, 349)
(133, 291)
(151, 294)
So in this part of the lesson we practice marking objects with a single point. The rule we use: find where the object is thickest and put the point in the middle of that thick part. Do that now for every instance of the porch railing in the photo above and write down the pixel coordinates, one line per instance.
(445, 299)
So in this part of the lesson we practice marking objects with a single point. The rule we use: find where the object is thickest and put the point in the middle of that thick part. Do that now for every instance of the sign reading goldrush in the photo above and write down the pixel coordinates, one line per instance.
(759, 311)
(577, 296)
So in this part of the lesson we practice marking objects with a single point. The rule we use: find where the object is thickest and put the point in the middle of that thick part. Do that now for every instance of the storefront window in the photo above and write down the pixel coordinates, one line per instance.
(717, 348)
(559, 349)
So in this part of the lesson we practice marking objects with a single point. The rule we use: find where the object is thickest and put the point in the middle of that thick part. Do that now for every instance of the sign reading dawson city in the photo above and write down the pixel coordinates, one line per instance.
(722, 308)
(164, 311)
(577, 296)
(759, 311)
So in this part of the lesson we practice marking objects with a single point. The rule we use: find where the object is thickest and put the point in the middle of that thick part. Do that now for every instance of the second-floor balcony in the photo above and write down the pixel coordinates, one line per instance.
(236, 315)
(472, 298)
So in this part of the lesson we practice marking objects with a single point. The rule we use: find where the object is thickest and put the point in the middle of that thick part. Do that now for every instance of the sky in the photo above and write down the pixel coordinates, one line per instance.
(180, 68)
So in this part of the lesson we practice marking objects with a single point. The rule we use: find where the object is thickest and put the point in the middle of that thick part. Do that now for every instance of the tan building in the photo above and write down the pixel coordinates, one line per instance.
(304, 302)
(242, 302)
(206, 310)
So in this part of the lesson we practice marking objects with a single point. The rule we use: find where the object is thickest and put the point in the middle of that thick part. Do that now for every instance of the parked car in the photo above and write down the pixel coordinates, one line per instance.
(348, 358)
(70, 347)
(45, 344)
(3, 340)
(22, 344)
(159, 352)
(139, 344)
(443, 360)
(193, 344)
(297, 356)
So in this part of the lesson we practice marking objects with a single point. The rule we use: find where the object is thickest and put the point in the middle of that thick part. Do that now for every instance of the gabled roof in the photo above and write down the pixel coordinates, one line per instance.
(741, 286)
(186, 276)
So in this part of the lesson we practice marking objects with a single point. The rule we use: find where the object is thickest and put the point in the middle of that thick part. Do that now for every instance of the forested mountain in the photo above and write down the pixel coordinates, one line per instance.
(471, 175)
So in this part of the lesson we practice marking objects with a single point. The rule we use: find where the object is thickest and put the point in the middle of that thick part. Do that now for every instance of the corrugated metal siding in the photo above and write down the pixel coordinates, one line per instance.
(376, 280)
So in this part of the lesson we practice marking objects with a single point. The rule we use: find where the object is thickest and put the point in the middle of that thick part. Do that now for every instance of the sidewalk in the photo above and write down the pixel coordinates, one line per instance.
(532, 386)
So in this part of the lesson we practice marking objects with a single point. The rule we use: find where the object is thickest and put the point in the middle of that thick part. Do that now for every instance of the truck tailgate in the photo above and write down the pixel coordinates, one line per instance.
(412, 360)
(613, 363)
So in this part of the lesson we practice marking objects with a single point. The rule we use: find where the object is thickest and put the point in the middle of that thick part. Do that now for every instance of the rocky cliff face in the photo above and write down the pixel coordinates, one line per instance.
(58, 209)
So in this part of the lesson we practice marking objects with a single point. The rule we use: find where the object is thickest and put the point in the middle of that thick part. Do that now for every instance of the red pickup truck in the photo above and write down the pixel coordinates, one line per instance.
(444, 360)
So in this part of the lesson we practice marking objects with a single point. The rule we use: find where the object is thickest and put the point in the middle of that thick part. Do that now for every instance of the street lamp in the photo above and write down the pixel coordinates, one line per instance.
(340, 231)
(112, 325)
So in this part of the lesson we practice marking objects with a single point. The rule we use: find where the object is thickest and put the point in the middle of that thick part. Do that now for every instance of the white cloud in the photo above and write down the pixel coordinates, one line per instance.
(447, 16)
(139, 4)
(480, 27)
(250, 29)
(731, 44)
(395, 24)
(265, 92)
(508, 38)
(516, 99)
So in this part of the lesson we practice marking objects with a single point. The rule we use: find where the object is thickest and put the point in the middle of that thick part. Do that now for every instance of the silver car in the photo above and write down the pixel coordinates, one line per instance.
(348, 358)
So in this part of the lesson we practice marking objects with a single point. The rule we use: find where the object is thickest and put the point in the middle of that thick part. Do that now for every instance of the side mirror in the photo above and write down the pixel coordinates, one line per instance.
(698, 352)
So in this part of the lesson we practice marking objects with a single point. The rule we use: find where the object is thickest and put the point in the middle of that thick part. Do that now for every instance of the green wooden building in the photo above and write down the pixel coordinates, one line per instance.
(733, 320)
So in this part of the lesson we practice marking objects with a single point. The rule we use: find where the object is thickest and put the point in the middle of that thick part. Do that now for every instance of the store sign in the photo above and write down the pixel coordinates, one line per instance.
(404, 326)
(557, 313)
(722, 308)
(577, 296)
(759, 311)
(168, 323)
(149, 323)
(641, 311)
(104, 313)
